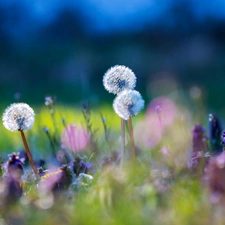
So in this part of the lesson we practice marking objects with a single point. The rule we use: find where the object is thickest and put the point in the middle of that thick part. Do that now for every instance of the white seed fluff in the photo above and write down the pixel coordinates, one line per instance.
(18, 116)
(128, 103)
(119, 78)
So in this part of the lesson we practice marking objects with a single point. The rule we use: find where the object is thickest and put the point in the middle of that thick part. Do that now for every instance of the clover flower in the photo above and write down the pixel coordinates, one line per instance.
(128, 103)
(119, 78)
(18, 116)
(74, 138)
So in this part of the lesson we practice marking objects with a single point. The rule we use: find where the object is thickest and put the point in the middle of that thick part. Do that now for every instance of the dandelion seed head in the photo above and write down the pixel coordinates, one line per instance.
(18, 116)
(128, 103)
(119, 78)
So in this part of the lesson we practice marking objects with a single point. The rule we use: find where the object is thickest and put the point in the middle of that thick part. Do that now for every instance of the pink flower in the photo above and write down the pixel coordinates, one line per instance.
(164, 151)
(162, 109)
(74, 138)
(148, 132)
(160, 114)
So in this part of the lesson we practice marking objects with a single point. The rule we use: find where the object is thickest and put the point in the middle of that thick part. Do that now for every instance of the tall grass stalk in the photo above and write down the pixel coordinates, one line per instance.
(46, 130)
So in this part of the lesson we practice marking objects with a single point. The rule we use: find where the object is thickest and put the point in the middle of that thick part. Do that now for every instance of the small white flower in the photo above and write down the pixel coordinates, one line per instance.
(128, 103)
(18, 116)
(119, 78)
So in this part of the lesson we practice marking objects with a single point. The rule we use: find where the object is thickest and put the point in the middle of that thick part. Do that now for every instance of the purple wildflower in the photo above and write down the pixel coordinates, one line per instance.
(13, 190)
(80, 167)
(215, 172)
(199, 147)
(15, 164)
(223, 140)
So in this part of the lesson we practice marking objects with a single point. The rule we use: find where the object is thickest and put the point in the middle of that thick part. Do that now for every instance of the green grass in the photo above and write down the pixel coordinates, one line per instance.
(160, 190)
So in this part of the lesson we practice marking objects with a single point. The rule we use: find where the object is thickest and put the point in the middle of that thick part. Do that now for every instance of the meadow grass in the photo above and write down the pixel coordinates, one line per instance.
(159, 190)
(72, 115)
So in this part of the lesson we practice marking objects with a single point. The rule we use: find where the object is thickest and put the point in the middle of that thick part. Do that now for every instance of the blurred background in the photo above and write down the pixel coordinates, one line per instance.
(63, 48)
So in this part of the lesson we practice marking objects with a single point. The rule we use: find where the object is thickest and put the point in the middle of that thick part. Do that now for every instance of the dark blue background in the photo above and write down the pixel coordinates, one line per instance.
(63, 48)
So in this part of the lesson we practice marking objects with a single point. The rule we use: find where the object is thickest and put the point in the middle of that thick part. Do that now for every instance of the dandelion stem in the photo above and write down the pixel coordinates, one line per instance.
(130, 127)
(122, 142)
(29, 153)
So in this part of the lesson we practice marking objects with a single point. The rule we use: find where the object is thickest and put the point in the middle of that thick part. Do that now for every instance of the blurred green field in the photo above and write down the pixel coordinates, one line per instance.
(194, 109)
(159, 190)
(11, 141)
